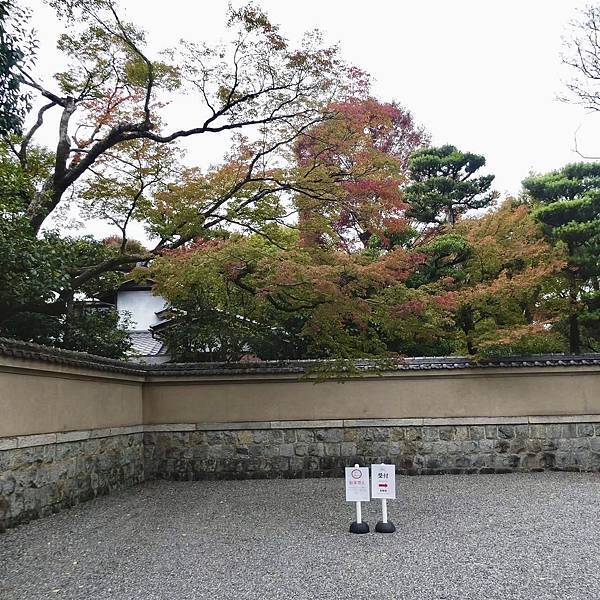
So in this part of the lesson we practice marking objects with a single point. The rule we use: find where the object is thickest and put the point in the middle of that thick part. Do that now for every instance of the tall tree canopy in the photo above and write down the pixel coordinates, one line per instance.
(569, 210)
(330, 228)
(115, 157)
(477, 288)
(353, 277)
(444, 186)
(356, 163)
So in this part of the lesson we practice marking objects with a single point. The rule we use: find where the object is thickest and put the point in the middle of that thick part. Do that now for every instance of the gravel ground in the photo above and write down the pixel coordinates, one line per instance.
(488, 537)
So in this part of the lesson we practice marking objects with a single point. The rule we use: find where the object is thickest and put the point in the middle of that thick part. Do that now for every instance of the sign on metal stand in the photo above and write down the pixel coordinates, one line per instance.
(383, 485)
(357, 490)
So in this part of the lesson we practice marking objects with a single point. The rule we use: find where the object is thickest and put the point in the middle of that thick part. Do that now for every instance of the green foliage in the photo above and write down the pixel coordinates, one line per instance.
(96, 332)
(544, 342)
(443, 185)
(567, 205)
(34, 274)
(17, 49)
(214, 317)
(478, 285)
(30, 268)
(383, 259)
(102, 53)
(36, 271)
(444, 252)
(199, 333)
(565, 184)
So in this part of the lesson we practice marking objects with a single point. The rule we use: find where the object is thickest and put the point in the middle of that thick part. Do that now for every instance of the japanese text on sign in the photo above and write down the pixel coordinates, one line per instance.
(357, 484)
(383, 481)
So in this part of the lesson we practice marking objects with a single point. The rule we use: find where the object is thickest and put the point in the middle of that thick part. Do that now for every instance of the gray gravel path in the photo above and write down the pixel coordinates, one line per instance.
(488, 537)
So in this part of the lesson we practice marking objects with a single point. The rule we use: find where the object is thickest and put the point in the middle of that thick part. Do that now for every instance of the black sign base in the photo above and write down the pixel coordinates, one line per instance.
(382, 527)
(361, 527)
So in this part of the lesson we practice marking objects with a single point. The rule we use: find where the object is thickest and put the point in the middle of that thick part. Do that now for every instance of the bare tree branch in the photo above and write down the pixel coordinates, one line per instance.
(22, 154)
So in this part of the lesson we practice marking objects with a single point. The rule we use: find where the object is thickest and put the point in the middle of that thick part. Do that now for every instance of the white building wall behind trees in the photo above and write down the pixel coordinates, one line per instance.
(142, 305)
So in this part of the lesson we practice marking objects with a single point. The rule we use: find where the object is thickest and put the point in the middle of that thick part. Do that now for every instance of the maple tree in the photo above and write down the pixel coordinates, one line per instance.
(354, 276)
(300, 287)
(329, 229)
(495, 269)
(299, 301)
(116, 159)
(478, 287)
(354, 166)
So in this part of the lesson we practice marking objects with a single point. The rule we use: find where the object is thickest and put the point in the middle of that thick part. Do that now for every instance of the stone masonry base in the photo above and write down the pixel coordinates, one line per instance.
(45, 473)
(415, 450)
(38, 480)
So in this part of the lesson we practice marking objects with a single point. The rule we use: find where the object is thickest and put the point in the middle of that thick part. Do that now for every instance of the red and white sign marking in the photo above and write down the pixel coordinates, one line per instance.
(357, 484)
(383, 481)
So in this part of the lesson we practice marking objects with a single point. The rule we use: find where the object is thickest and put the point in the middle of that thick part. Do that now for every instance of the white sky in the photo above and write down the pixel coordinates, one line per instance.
(483, 75)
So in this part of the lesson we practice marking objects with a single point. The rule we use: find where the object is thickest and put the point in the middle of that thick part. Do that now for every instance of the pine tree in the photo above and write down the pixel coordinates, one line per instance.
(444, 185)
(569, 211)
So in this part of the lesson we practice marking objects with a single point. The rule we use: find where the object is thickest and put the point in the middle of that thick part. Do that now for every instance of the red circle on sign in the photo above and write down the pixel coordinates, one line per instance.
(356, 474)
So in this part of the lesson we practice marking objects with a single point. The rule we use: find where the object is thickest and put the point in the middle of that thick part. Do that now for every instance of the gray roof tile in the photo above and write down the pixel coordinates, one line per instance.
(143, 344)
(26, 350)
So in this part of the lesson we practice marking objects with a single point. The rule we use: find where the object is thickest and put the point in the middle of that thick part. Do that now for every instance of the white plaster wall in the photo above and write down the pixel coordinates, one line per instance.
(142, 305)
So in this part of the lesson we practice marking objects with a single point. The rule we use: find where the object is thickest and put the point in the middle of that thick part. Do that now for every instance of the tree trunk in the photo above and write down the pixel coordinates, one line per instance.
(574, 335)
(465, 321)
(310, 234)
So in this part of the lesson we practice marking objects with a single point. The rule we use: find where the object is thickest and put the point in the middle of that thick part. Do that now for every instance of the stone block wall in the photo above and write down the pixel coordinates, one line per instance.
(41, 474)
(74, 426)
(305, 451)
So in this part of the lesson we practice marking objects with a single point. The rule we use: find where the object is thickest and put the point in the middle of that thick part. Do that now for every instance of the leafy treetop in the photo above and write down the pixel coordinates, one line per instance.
(444, 185)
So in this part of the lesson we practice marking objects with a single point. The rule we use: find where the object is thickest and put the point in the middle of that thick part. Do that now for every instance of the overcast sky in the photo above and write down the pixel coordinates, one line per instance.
(483, 75)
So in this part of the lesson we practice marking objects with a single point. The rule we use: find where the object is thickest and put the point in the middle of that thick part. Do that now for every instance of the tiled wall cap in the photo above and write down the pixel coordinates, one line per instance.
(28, 351)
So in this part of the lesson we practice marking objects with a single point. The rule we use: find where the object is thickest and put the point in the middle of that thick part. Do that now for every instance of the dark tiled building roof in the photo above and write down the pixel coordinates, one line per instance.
(143, 344)
(25, 350)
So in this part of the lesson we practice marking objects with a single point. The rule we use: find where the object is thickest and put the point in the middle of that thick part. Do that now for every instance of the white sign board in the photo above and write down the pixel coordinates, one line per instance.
(357, 484)
(383, 481)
